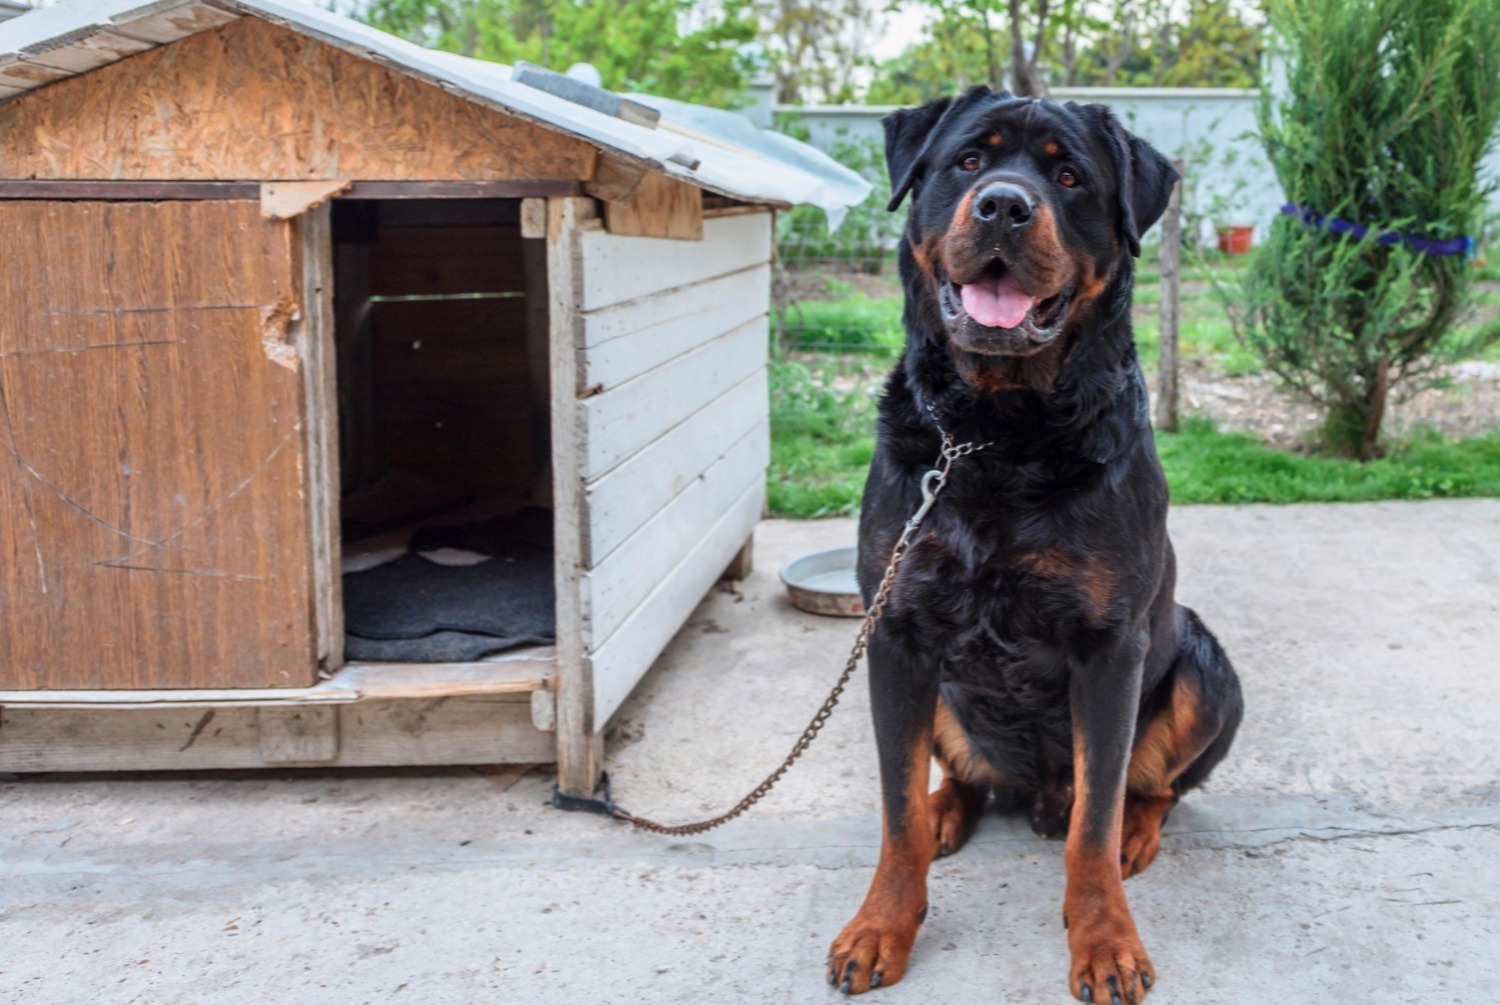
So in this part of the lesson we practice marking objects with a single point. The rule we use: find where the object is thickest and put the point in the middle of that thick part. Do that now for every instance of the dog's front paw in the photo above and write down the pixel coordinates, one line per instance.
(1110, 965)
(871, 952)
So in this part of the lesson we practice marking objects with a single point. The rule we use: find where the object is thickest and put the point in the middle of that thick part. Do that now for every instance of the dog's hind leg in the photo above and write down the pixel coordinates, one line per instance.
(967, 780)
(1189, 734)
(873, 948)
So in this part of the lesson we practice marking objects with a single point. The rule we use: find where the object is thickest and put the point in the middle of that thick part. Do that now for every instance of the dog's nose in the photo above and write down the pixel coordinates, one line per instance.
(1003, 202)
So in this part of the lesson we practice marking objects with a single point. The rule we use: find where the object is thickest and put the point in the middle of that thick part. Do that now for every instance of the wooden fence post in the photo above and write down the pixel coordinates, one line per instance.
(1171, 285)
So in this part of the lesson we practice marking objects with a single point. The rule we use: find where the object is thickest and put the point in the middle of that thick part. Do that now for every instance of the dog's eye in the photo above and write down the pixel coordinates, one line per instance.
(969, 162)
(1066, 178)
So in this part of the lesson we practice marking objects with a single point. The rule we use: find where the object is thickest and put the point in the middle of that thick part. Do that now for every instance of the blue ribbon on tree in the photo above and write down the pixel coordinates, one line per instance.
(1465, 245)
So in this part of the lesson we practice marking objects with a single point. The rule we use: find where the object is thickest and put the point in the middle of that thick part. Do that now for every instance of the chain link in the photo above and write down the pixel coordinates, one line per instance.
(932, 484)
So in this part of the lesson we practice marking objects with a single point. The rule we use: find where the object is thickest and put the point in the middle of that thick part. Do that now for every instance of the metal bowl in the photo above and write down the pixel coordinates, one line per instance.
(823, 582)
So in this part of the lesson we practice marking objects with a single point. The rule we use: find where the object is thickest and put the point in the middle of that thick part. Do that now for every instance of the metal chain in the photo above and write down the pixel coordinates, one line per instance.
(932, 484)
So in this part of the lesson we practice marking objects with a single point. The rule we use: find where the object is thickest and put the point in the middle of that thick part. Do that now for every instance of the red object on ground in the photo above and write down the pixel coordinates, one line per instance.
(1235, 240)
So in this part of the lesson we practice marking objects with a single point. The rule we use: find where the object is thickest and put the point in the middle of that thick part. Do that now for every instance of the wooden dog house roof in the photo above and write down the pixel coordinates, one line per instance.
(718, 151)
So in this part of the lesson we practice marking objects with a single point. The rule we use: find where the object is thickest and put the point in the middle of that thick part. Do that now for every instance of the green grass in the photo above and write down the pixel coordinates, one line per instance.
(1208, 465)
(822, 427)
(854, 323)
(815, 474)
(822, 440)
(809, 478)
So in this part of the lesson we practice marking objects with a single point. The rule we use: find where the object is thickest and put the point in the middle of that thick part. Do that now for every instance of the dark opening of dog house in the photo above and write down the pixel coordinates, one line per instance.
(441, 327)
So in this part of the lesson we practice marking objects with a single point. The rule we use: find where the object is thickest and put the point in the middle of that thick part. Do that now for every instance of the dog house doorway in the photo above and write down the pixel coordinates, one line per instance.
(440, 311)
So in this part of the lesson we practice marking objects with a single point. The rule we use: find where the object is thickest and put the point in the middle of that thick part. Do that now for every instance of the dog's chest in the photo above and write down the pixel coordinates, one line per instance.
(961, 589)
(1006, 632)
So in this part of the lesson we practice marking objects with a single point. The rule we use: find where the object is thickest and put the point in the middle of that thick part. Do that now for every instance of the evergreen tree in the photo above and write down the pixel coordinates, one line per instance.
(1387, 111)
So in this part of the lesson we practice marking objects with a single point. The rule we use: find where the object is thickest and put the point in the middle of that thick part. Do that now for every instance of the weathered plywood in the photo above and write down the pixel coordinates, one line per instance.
(616, 587)
(661, 327)
(629, 268)
(282, 200)
(90, 52)
(621, 661)
(177, 21)
(660, 207)
(491, 729)
(251, 100)
(313, 337)
(292, 735)
(620, 503)
(154, 529)
(622, 421)
(19, 74)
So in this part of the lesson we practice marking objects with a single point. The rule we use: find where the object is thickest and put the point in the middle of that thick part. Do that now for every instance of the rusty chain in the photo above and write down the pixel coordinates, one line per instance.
(932, 484)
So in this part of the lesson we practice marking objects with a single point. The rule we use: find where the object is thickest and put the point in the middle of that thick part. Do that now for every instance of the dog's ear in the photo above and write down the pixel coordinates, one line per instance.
(909, 133)
(1144, 180)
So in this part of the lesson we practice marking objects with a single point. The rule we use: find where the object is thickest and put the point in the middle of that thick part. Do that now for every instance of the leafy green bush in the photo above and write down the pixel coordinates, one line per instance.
(1388, 109)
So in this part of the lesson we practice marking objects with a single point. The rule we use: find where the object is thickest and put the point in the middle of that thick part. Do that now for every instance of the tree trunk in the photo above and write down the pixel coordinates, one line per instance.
(1351, 425)
(1376, 392)
(1171, 284)
(1025, 80)
(991, 62)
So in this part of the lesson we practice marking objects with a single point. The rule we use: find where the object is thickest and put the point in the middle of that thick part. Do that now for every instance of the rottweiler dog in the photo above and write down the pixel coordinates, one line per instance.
(1032, 645)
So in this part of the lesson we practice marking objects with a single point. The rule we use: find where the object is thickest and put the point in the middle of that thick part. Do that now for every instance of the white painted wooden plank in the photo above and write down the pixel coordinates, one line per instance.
(617, 269)
(621, 661)
(494, 729)
(619, 422)
(580, 745)
(620, 582)
(618, 504)
(89, 53)
(688, 301)
(686, 318)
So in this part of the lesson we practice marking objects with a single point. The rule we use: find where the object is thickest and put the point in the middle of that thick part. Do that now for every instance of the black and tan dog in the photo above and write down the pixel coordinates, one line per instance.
(1032, 645)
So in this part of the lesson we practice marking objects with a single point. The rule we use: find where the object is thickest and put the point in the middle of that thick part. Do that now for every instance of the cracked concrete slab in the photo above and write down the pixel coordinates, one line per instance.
(1349, 846)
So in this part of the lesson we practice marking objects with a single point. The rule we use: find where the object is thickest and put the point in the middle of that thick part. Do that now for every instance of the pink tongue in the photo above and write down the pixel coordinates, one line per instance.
(996, 303)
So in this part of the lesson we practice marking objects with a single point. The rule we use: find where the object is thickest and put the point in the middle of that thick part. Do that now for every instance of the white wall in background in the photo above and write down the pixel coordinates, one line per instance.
(1228, 178)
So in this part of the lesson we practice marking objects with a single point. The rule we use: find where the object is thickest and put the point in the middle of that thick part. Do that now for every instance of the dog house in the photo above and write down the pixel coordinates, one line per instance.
(362, 404)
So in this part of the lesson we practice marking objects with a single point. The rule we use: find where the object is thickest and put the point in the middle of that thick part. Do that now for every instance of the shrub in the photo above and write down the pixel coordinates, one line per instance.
(1388, 108)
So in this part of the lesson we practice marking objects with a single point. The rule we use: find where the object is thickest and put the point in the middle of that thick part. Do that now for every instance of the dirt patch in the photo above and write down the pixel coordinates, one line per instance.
(837, 281)
(1468, 404)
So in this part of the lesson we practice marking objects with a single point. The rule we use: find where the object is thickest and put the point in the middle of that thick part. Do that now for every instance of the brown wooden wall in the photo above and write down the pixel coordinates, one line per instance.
(154, 520)
(254, 101)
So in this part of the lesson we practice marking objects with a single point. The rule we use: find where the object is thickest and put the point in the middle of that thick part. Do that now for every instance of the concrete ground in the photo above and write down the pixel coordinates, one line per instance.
(1349, 848)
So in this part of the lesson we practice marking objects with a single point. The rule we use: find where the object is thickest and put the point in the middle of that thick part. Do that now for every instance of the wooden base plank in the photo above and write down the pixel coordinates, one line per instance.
(482, 729)
(520, 671)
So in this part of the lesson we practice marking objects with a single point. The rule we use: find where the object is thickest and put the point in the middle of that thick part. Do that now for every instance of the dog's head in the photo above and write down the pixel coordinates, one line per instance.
(1022, 211)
